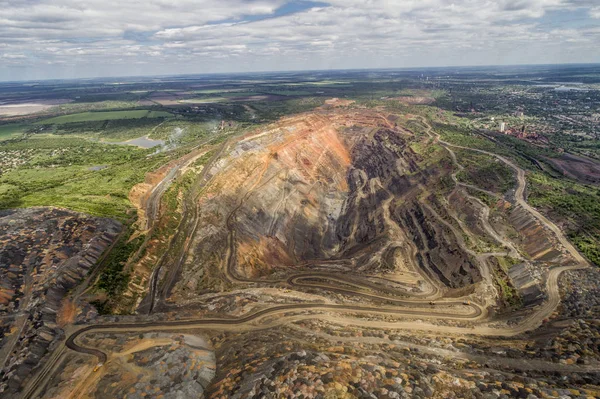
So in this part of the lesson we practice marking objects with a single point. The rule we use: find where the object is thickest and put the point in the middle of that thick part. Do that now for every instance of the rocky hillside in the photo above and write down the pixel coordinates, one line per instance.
(44, 253)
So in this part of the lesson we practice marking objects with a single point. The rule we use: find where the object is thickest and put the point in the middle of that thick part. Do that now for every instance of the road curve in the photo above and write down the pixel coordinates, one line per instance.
(411, 308)
(519, 194)
(531, 322)
(552, 289)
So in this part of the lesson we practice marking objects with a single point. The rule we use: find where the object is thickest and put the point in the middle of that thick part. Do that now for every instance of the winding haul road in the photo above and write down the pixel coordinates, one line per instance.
(186, 228)
(448, 309)
(552, 288)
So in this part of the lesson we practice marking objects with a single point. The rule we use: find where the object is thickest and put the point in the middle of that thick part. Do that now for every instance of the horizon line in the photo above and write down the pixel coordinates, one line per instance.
(289, 71)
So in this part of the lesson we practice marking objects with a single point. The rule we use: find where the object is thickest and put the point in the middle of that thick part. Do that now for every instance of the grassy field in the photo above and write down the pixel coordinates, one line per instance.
(61, 168)
(183, 131)
(289, 92)
(217, 91)
(247, 93)
(69, 166)
(112, 130)
(11, 131)
(104, 116)
(59, 173)
(78, 107)
(202, 100)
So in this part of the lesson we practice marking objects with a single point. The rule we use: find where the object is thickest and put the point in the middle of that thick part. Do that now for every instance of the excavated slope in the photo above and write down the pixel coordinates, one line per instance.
(324, 191)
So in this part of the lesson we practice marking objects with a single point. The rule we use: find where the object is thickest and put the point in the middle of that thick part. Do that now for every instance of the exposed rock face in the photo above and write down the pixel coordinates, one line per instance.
(523, 279)
(341, 190)
(536, 241)
(438, 249)
(386, 201)
(44, 253)
(294, 195)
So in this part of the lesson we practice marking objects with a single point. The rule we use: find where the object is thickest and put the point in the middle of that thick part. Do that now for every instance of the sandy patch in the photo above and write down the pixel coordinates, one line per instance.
(338, 102)
(66, 313)
(415, 100)
(29, 108)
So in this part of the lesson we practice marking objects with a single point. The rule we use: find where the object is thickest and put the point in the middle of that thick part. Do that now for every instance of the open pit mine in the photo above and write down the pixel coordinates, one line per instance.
(340, 253)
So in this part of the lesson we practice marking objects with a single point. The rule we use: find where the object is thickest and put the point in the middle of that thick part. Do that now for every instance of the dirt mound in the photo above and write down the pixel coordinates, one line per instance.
(338, 102)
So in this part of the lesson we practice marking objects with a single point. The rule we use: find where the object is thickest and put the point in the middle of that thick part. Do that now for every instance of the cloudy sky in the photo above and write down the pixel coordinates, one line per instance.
(41, 39)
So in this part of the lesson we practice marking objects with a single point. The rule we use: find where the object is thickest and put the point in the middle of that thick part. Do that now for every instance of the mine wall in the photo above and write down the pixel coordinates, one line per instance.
(523, 278)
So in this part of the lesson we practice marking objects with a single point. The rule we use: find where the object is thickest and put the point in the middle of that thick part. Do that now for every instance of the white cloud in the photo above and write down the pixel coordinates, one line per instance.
(90, 34)
(13, 56)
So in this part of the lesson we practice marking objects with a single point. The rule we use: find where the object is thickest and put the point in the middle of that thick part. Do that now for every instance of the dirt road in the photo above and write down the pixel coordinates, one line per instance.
(338, 313)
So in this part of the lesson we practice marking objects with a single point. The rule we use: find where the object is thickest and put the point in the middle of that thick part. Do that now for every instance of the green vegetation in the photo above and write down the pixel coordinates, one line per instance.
(487, 199)
(510, 296)
(463, 136)
(588, 244)
(507, 262)
(8, 132)
(74, 107)
(577, 204)
(435, 94)
(203, 159)
(485, 172)
(432, 155)
(319, 83)
(289, 92)
(574, 204)
(509, 293)
(416, 127)
(174, 129)
(61, 173)
(112, 130)
(113, 280)
(67, 167)
(183, 131)
(105, 116)
(588, 147)
(217, 91)
(273, 110)
(170, 208)
(422, 148)
(524, 148)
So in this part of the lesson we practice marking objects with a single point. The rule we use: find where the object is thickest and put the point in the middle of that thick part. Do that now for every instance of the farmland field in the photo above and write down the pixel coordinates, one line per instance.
(105, 116)
(11, 131)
